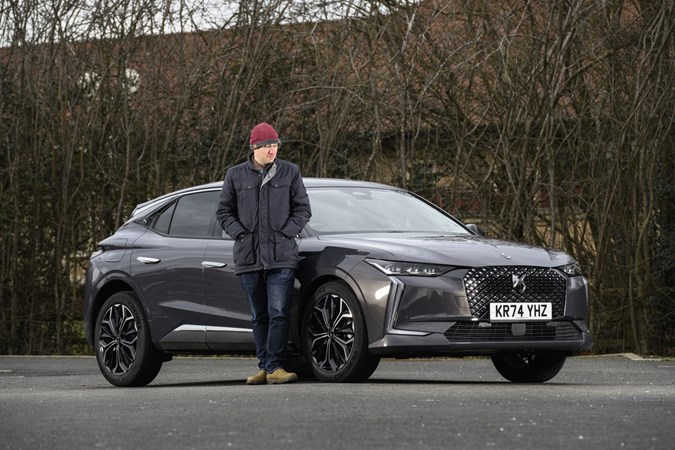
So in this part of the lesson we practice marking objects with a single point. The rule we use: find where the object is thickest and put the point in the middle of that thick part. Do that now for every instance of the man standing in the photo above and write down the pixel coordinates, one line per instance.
(263, 206)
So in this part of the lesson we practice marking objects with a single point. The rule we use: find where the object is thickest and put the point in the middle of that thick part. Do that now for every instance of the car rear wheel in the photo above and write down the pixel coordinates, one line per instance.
(528, 367)
(335, 338)
(124, 350)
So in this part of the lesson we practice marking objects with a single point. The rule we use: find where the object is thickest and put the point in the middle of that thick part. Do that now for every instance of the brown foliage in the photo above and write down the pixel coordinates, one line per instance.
(547, 122)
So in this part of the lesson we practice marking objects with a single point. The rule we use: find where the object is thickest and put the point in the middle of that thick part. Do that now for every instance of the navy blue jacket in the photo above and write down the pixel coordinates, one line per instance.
(263, 212)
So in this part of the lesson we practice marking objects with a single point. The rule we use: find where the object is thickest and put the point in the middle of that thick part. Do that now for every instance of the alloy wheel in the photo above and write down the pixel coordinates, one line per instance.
(118, 339)
(331, 331)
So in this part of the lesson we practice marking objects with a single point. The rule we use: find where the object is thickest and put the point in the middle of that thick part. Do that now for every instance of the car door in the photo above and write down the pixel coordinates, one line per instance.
(226, 309)
(166, 265)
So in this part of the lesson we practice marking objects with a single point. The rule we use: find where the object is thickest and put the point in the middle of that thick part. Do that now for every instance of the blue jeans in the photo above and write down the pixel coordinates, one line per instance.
(269, 295)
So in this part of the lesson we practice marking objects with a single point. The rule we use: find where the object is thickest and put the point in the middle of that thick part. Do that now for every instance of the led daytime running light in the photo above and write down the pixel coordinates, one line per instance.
(401, 268)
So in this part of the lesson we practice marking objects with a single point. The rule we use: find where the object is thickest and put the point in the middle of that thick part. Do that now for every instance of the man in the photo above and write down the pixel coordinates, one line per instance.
(263, 206)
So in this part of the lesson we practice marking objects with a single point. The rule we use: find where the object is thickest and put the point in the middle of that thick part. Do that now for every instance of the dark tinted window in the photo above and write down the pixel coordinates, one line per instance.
(193, 215)
(164, 219)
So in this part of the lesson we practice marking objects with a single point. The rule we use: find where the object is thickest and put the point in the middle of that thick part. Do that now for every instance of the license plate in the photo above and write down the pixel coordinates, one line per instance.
(520, 311)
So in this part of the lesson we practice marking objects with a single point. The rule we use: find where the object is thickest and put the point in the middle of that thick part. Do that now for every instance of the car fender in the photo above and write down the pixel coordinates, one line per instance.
(331, 263)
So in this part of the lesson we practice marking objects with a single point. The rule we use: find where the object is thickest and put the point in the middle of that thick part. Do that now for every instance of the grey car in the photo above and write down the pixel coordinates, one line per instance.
(383, 273)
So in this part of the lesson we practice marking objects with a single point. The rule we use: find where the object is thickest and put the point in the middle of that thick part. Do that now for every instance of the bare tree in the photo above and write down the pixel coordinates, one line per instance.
(547, 122)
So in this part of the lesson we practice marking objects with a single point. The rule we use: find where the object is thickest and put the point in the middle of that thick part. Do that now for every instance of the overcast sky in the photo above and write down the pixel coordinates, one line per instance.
(91, 19)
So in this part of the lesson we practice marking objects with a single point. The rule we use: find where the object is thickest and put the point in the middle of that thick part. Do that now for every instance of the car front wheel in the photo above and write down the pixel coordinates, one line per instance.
(124, 349)
(335, 338)
(528, 367)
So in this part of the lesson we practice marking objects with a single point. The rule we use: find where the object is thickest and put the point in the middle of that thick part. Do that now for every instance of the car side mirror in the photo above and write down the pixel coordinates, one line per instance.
(475, 229)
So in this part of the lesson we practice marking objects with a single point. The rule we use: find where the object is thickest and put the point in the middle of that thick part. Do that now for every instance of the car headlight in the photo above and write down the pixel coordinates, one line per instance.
(401, 268)
(571, 270)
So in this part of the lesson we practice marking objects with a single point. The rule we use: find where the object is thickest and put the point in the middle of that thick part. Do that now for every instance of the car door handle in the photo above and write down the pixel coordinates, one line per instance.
(148, 260)
(213, 264)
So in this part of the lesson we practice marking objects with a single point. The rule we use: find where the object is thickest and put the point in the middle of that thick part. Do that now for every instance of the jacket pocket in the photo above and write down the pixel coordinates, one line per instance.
(247, 195)
(244, 251)
(279, 204)
(285, 249)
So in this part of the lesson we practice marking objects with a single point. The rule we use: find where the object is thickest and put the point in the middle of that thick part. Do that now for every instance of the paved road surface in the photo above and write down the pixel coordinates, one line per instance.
(202, 403)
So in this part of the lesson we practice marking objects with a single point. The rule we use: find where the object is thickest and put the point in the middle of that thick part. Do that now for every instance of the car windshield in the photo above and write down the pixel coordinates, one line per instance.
(367, 210)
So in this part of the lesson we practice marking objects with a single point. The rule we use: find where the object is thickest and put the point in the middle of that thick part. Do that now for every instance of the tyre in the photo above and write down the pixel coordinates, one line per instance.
(124, 349)
(334, 335)
(296, 362)
(528, 367)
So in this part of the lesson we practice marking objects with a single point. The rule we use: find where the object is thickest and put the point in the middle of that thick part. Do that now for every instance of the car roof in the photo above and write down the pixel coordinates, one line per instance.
(310, 183)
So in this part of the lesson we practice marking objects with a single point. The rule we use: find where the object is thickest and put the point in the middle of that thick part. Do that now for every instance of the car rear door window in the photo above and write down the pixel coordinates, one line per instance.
(193, 215)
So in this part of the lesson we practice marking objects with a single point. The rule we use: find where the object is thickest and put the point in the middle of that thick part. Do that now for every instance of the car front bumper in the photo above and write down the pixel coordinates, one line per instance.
(482, 337)
(434, 316)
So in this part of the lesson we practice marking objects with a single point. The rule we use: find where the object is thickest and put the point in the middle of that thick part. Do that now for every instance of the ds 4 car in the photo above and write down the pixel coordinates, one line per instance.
(383, 273)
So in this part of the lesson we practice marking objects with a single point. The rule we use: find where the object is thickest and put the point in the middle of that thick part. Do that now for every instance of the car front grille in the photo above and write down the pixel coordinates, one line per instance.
(500, 332)
(484, 285)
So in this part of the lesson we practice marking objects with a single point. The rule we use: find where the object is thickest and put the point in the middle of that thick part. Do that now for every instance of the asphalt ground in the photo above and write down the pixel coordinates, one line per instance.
(612, 402)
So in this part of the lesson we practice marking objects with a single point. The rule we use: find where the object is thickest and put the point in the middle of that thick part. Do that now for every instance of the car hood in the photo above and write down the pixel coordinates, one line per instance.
(458, 250)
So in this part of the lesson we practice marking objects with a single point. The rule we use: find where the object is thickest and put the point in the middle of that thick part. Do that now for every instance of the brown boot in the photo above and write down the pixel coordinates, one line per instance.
(281, 376)
(258, 378)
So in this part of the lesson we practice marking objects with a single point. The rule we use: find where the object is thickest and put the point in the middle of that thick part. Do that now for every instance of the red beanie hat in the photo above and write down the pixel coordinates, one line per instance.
(263, 134)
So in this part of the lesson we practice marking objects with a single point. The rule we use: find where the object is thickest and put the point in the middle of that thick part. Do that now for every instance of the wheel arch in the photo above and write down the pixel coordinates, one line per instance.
(105, 292)
(308, 290)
